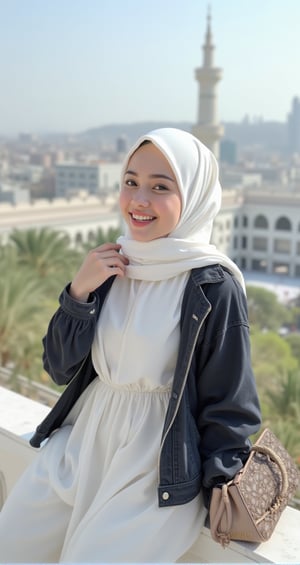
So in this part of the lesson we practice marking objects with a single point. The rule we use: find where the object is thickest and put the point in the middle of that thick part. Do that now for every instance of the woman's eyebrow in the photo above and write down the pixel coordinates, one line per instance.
(154, 176)
(161, 176)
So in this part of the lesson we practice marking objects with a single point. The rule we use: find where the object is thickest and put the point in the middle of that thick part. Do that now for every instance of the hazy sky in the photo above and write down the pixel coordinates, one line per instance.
(68, 65)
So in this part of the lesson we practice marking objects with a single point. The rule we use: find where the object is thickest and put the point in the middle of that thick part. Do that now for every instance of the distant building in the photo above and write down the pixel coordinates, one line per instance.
(228, 152)
(236, 178)
(294, 127)
(27, 138)
(72, 179)
(122, 144)
(260, 230)
(40, 159)
(207, 128)
(26, 173)
(14, 194)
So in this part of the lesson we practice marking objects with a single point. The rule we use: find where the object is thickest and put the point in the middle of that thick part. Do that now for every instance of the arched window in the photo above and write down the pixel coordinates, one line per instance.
(283, 224)
(78, 238)
(261, 222)
(245, 221)
(91, 237)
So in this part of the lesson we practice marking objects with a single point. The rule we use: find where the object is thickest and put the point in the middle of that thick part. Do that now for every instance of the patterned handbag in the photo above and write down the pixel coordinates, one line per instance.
(248, 507)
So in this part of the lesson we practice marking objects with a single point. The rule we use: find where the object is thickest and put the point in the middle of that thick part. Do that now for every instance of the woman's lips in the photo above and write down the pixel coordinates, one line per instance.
(141, 218)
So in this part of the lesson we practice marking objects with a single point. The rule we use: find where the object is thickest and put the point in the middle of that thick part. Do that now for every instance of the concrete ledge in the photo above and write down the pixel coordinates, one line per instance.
(15, 455)
(283, 547)
(19, 415)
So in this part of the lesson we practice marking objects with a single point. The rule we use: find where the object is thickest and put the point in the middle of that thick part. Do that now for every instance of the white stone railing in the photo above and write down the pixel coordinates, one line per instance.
(15, 455)
(31, 389)
(20, 415)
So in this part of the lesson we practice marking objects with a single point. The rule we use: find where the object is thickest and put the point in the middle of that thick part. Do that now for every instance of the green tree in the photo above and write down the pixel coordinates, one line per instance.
(47, 253)
(100, 236)
(265, 312)
(36, 265)
(296, 301)
(293, 339)
(272, 360)
(21, 298)
(285, 403)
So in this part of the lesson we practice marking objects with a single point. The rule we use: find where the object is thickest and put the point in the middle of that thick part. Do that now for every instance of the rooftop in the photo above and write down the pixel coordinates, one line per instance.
(20, 415)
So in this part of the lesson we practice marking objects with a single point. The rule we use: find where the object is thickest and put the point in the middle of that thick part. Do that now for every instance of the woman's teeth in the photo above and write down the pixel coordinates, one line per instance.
(142, 218)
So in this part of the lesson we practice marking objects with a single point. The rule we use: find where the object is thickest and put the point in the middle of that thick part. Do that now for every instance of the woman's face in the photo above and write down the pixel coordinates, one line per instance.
(150, 200)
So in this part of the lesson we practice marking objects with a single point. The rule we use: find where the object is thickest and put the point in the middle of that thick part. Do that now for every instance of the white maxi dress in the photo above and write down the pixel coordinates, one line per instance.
(101, 468)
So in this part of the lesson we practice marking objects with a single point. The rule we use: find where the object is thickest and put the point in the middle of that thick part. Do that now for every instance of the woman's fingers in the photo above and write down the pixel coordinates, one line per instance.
(107, 245)
(109, 254)
(100, 264)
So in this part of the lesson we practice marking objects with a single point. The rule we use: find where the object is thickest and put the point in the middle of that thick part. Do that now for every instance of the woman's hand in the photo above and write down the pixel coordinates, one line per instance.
(100, 264)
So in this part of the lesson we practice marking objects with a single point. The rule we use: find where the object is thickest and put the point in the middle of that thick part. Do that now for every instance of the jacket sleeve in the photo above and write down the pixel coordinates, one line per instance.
(229, 406)
(69, 337)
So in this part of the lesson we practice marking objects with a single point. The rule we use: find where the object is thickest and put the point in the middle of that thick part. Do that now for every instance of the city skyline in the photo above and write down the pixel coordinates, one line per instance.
(71, 65)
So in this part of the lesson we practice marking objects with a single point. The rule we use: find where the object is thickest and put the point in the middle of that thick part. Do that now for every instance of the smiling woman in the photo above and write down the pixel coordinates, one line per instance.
(152, 337)
(150, 200)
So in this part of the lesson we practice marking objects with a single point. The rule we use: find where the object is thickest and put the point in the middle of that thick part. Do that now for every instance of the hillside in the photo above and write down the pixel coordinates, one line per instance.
(265, 134)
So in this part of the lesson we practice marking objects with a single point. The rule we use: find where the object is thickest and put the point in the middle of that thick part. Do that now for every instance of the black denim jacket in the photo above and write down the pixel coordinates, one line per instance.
(213, 407)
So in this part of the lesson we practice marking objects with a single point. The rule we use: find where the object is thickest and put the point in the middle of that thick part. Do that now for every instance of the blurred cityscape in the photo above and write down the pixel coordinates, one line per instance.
(69, 185)
(47, 180)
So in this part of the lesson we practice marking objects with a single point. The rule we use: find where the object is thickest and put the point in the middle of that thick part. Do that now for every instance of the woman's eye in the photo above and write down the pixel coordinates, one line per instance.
(130, 182)
(160, 187)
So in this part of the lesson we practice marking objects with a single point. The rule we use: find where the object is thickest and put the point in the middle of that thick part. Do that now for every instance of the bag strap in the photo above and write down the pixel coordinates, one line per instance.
(224, 508)
(284, 478)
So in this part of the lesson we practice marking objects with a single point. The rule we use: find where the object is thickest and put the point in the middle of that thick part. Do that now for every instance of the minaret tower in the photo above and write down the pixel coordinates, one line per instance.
(207, 128)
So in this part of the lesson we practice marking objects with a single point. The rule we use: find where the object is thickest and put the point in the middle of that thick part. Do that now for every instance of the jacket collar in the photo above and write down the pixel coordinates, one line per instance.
(209, 274)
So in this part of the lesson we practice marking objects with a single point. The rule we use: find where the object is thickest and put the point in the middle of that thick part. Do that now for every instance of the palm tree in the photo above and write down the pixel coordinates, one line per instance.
(47, 253)
(99, 237)
(21, 299)
(286, 401)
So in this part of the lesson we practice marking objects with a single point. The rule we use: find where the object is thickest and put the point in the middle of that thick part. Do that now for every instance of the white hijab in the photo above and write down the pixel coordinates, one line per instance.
(187, 247)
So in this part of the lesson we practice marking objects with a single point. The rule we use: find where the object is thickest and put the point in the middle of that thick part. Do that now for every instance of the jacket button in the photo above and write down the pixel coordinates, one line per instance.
(165, 496)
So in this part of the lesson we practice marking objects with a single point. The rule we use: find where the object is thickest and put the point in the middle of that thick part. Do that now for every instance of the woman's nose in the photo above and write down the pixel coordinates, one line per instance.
(141, 197)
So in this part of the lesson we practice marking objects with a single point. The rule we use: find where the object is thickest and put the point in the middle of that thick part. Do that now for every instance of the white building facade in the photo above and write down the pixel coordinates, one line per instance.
(260, 231)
